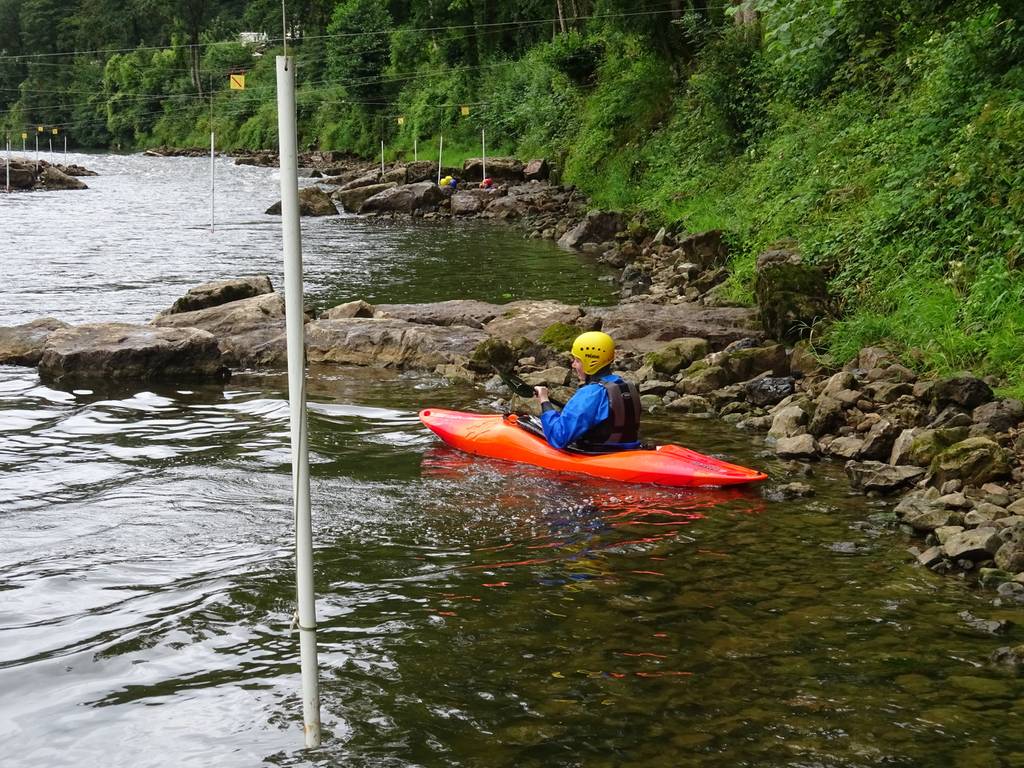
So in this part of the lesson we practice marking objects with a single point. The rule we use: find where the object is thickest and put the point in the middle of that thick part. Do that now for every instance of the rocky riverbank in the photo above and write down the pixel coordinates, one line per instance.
(949, 447)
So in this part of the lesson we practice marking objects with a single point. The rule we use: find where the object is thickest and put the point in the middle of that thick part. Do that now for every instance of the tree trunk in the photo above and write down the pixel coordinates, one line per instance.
(561, 16)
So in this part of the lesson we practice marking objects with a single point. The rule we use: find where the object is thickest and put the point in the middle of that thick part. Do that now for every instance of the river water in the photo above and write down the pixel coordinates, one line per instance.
(471, 613)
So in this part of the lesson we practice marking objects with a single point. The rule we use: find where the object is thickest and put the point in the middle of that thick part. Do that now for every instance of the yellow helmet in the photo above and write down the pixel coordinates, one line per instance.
(594, 350)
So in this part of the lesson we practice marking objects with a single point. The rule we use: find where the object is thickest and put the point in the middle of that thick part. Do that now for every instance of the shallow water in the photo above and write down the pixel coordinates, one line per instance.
(471, 612)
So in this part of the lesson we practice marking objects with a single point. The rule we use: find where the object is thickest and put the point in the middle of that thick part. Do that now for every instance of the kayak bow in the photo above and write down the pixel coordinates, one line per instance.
(500, 437)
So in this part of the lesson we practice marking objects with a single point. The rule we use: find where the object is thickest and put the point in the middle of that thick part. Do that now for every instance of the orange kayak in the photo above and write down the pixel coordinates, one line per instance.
(502, 437)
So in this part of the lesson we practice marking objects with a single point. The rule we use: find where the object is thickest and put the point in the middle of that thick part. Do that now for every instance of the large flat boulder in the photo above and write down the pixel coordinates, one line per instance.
(645, 327)
(504, 168)
(23, 344)
(250, 332)
(466, 312)
(220, 292)
(404, 199)
(119, 352)
(530, 319)
(389, 343)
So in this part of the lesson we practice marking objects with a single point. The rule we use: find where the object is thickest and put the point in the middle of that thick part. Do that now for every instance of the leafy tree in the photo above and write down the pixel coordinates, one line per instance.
(358, 51)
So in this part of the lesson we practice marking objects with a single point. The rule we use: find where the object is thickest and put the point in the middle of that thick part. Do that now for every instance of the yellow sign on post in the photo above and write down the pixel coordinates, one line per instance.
(465, 110)
(39, 129)
(401, 120)
(56, 131)
(24, 135)
(237, 82)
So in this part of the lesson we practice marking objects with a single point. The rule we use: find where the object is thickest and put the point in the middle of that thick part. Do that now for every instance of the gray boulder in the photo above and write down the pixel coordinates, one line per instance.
(471, 201)
(883, 478)
(597, 227)
(220, 292)
(313, 201)
(118, 352)
(498, 168)
(791, 296)
(389, 343)
(250, 332)
(406, 199)
(52, 177)
(23, 344)
(352, 199)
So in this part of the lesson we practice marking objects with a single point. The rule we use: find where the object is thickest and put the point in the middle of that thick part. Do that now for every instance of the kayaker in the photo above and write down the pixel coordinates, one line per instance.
(604, 414)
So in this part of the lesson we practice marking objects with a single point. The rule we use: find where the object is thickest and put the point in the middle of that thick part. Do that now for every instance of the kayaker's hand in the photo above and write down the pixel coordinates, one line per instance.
(542, 394)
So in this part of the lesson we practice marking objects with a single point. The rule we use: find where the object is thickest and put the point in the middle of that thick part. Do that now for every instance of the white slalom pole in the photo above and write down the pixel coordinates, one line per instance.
(415, 152)
(440, 154)
(382, 159)
(37, 151)
(51, 150)
(213, 183)
(483, 152)
(8, 164)
(65, 149)
(292, 237)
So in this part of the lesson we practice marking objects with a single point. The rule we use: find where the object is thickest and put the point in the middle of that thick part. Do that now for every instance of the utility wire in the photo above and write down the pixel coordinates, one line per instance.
(344, 35)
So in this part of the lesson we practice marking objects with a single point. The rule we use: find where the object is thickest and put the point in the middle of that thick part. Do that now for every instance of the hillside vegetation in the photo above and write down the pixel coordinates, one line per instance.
(883, 138)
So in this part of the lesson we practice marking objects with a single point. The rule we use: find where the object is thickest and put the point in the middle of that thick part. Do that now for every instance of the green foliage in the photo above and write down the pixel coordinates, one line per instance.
(359, 48)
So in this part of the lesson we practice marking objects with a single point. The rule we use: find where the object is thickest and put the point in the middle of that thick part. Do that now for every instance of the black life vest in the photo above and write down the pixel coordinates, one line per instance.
(623, 422)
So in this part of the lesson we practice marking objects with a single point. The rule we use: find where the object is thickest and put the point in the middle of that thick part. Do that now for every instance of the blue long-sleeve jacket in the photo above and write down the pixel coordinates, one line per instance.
(586, 409)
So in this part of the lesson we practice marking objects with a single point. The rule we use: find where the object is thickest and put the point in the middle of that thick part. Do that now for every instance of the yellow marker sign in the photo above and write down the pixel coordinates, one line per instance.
(24, 135)
(237, 82)
(55, 131)
(465, 110)
(401, 120)
(39, 128)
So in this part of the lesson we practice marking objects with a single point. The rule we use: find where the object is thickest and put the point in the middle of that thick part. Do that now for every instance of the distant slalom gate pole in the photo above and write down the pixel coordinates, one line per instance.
(292, 237)
(483, 155)
(213, 168)
(440, 154)
(382, 159)
(8, 163)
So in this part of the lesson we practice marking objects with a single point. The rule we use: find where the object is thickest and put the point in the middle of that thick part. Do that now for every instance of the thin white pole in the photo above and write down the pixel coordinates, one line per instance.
(382, 159)
(8, 164)
(483, 151)
(37, 150)
(213, 183)
(23, 143)
(440, 154)
(415, 151)
(65, 148)
(51, 149)
(213, 173)
(292, 237)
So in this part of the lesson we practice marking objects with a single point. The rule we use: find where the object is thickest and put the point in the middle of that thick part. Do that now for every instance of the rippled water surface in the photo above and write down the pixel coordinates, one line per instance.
(471, 613)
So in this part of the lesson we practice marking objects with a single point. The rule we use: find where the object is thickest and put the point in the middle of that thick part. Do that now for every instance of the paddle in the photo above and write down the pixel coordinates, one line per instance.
(520, 387)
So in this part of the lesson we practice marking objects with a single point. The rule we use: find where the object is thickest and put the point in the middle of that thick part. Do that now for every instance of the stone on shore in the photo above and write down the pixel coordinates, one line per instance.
(645, 326)
(468, 312)
(118, 352)
(498, 168)
(973, 461)
(23, 344)
(220, 292)
(471, 201)
(250, 332)
(357, 308)
(597, 227)
(404, 199)
(791, 295)
(313, 201)
(869, 476)
(352, 199)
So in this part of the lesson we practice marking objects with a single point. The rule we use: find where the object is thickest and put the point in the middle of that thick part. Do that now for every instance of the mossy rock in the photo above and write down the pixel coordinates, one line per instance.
(559, 336)
(677, 354)
(931, 442)
(493, 354)
(791, 297)
(973, 461)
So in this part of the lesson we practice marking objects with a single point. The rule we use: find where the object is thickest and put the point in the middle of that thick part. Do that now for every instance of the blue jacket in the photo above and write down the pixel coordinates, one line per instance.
(586, 409)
